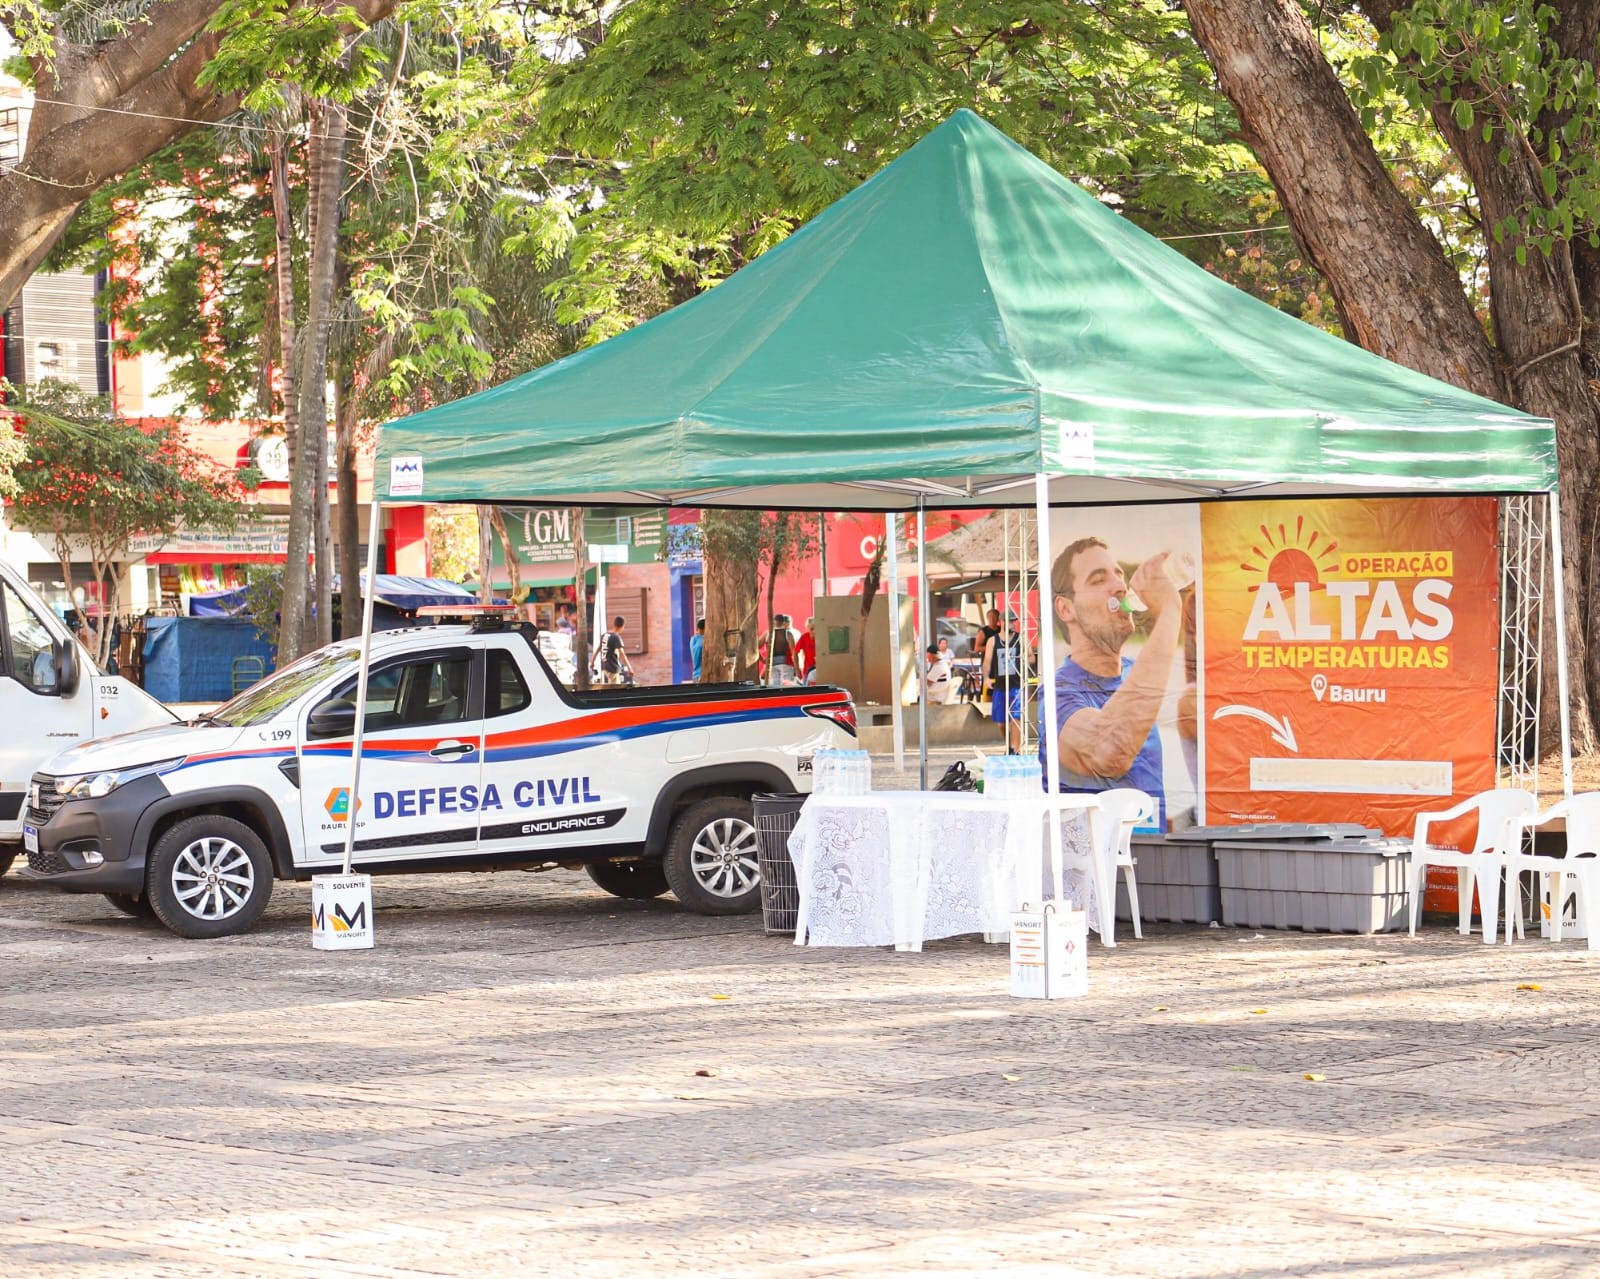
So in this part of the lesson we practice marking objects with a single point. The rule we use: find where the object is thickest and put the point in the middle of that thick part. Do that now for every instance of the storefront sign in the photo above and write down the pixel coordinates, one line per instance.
(544, 536)
(264, 535)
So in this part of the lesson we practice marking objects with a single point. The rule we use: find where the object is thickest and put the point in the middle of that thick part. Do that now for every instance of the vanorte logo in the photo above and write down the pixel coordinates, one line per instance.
(1322, 688)
(342, 922)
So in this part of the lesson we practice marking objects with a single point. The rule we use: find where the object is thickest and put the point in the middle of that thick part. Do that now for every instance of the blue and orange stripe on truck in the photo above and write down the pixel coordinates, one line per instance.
(581, 732)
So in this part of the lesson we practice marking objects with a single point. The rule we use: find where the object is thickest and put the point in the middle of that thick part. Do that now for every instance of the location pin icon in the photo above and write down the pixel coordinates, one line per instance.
(1319, 685)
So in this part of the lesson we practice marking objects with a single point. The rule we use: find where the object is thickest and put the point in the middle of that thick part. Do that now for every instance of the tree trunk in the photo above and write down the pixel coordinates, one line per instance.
(328, 122)
(1398, 295)
(507, 549)
(870, 582)
(292, 615)
(580, 574)
(346, 449)
(80, 137)
(485, 555)
(350, 565)
(733, 593)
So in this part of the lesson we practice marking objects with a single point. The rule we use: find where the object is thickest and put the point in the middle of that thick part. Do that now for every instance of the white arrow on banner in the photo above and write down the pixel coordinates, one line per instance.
(1281, 732)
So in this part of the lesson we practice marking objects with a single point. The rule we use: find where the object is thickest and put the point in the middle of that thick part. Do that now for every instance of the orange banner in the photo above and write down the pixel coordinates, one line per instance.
(1350, 652)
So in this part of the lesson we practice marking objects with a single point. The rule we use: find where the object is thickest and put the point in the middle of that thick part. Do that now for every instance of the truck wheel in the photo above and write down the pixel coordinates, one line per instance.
(209, 876)
(711, 857)
(7, 856)
(139, 907)
(634, 880)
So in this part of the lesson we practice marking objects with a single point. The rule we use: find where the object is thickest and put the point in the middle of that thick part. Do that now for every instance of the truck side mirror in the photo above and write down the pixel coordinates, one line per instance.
(335, 718)
(66, 664)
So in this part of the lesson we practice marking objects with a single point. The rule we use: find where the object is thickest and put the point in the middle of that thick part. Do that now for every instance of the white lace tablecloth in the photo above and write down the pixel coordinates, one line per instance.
(904, 867)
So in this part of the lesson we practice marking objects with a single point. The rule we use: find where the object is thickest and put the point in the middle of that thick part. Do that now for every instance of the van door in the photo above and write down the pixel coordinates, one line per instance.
(420, 762)
(39, 719)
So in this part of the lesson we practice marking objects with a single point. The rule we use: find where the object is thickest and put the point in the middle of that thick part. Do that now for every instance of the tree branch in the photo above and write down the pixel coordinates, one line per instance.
(1397, 294)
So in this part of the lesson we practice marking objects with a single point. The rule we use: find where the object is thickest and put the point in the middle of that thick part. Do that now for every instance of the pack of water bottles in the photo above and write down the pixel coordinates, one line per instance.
(835, 772)
(1012, 777)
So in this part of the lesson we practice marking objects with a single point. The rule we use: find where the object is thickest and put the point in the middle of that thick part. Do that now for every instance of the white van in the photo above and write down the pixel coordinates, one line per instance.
(51, 696)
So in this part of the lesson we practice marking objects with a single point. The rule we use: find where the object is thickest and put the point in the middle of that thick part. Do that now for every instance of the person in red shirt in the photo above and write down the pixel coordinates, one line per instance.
(805, 653)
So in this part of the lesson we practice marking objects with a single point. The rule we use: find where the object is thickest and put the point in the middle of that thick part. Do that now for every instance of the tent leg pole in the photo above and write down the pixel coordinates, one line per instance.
(1049, 728)
(361, 682)
(822, 551)
(891, 530)
(924, 599)
(1563, 682)
(1047, 637)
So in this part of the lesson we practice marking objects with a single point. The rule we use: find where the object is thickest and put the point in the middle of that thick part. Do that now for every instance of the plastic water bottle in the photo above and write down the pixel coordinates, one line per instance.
(864, 772)
(825, 772)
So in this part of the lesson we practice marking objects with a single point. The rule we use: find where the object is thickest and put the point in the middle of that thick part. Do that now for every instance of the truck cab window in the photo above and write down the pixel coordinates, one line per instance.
(32, 654)
(507, 691)
(407, 694)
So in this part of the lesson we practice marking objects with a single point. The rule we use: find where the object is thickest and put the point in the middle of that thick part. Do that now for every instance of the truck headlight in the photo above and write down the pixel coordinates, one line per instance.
(94, 785)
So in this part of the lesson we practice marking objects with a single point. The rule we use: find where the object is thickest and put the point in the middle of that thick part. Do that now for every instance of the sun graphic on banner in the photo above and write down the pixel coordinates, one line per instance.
(1288, 561)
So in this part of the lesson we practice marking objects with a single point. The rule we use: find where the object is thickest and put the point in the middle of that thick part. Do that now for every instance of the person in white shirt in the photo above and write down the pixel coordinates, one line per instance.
(937, 680)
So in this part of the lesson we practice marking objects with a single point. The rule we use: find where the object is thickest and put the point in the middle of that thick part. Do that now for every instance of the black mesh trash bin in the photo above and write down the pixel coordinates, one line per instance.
(776, 816)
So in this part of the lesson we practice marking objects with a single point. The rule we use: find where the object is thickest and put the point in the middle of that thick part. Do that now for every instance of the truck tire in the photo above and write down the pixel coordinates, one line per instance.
(209, 876)
(139, 907)
(8, 855)
(636, 881)
(711, 859)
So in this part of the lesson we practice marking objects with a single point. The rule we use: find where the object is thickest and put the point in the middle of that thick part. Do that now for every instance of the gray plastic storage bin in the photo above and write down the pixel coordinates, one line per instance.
(1177, 880)
(1333, 886)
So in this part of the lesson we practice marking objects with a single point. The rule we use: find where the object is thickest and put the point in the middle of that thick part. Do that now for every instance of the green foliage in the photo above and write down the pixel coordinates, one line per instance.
(189, 277)
(89, 478)
(86, 472)
(1494, 68)
(263, 599)
(695, 137)
(269, 45)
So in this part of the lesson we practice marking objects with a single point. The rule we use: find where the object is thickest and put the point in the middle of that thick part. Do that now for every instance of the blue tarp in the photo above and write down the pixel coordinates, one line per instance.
(217, 603)
(193, 659)
(407, 593)
(417, 592)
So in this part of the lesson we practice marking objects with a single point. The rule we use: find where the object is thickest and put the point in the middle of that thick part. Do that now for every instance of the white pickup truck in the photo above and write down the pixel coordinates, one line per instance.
(51, 696)
(474, 758)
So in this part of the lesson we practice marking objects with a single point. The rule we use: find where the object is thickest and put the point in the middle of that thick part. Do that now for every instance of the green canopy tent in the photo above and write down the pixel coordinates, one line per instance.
(965, 320)
(967, 328)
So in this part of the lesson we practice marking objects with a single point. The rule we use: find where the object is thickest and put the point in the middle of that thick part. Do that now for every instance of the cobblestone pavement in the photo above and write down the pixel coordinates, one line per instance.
(527, 1077)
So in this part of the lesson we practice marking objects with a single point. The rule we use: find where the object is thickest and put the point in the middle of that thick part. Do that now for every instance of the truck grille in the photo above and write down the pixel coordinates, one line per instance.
(43, 800)
(47, 864)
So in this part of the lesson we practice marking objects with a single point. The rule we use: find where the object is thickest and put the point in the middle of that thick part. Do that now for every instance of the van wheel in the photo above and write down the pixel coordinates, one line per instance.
(209, 877)
(139, 907)
(634, 880)
(711, 859)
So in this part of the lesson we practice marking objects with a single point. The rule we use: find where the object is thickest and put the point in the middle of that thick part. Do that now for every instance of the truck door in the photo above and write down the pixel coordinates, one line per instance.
(39, 718)
(555, 777)
(420, 762)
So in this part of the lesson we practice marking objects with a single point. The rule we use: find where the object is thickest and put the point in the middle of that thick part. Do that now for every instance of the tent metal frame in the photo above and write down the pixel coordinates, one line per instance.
(1530, 557)
(1528, 545)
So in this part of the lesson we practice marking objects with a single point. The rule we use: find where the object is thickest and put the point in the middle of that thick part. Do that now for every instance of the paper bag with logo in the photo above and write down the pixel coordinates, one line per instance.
(1049, 952)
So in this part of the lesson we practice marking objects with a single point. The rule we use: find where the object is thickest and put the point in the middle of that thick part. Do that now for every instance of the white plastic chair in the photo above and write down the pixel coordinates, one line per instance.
(1581, 864)
(1119, 811)
(1501, 814)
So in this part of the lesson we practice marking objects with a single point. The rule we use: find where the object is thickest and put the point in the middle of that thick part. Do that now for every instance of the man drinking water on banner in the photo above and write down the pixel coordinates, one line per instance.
(1107, 704)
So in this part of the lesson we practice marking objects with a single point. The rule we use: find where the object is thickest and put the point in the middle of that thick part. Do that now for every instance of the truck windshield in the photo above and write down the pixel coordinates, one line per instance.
(264, 700)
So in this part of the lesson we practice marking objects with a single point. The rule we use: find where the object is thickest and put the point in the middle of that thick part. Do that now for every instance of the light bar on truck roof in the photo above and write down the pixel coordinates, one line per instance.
(466, 610)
